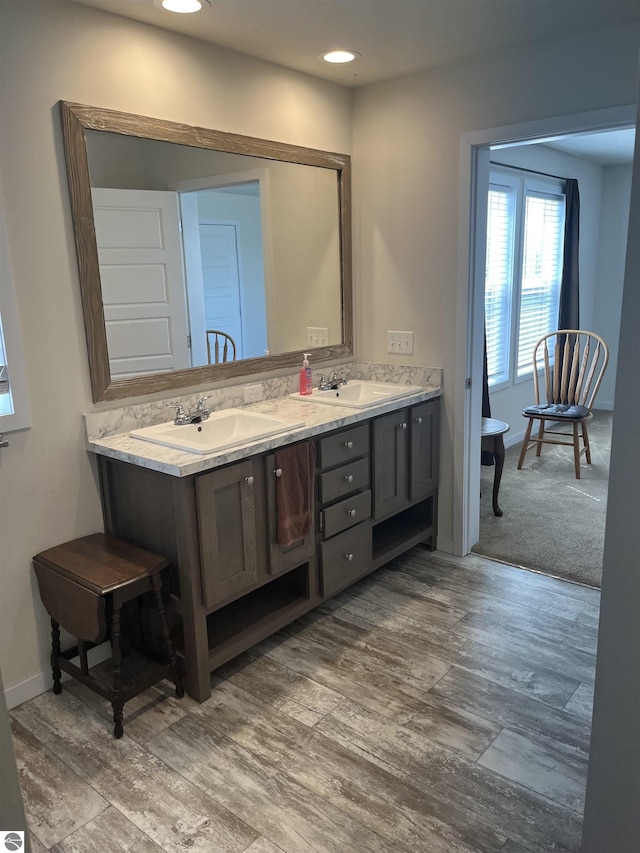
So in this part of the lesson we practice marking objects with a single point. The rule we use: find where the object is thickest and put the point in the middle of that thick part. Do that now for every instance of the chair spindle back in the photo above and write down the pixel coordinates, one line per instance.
(579, 361)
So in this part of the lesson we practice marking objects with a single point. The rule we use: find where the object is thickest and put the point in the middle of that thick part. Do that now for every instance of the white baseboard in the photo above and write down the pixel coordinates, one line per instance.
(512, 438)
(41, 682)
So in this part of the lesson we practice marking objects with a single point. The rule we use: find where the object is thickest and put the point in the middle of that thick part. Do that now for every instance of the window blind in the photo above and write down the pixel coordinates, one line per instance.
(498, 280)
(541, 272)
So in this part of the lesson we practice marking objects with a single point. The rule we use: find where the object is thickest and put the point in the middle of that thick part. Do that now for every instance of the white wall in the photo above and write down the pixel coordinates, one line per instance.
(612, 245)
(406, 151)
(612, 813)
(52, 50)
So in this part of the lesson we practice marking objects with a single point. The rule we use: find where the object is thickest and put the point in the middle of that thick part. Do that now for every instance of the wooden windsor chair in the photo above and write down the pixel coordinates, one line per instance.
(220, 347)
(573, 368)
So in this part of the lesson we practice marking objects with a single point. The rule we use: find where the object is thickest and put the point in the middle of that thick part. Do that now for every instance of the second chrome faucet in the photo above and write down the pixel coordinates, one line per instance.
(333, 383)
(195, 417)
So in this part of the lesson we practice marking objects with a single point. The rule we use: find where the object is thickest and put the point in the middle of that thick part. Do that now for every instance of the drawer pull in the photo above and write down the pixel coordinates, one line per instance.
(348, 445)
(351, 512)
(403, 425)
(249, 481)
(418, 420)
(349, 557)
(349, 478)
(277, 472)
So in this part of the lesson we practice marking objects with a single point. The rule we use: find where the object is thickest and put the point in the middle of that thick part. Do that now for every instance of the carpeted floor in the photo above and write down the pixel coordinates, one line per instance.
(552, 522)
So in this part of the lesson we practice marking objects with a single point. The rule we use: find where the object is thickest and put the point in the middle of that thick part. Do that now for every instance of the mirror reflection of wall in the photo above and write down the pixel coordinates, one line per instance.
(255, 252)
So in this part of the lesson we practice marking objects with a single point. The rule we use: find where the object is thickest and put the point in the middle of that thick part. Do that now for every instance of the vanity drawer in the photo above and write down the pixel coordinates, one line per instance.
(335, 484)
(345, 558)
(346, 513)
(346, 445)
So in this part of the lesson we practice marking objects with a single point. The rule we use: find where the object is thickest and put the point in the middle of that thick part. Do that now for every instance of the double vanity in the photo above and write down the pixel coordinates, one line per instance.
(204, 496)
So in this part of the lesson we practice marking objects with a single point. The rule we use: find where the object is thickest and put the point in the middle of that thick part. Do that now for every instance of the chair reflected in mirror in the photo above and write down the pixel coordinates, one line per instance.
(572, 368)
(221, 347)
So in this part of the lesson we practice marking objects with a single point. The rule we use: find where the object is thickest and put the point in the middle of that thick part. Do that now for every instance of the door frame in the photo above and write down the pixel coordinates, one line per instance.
(474, 185)
(212, 182)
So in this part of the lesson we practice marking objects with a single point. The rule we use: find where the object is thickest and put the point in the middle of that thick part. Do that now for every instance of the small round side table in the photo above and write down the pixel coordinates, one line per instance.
(491, 440)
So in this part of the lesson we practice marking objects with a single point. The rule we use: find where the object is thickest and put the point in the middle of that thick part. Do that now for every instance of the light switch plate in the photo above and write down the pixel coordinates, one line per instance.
(400, 343)
(317, 336)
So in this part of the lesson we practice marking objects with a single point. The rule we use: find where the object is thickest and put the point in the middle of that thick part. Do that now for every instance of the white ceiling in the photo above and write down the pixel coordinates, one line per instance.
(607, 148)
(394, 36)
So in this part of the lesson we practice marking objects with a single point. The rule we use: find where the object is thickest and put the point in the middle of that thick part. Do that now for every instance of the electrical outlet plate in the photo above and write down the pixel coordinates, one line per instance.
(317, 336)
(400, 343)
(252, 393)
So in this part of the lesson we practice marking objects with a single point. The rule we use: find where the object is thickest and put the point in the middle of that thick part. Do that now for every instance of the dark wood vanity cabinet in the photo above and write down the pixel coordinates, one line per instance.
(231, 583)
(344, 507)
(405, 448)
(424, 438)
(231, 530)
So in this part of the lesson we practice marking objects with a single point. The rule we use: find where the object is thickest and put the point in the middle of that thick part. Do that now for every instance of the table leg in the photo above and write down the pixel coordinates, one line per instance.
(116, 659)
(497, 475)
(55, 653)
(175, 672)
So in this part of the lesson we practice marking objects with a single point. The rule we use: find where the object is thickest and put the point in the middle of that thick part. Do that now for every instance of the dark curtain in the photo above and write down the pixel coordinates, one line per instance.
(486, 457)
(569, 314)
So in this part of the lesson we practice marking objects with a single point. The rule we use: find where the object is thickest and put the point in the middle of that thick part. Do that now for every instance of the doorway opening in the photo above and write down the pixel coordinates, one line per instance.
(548, 146)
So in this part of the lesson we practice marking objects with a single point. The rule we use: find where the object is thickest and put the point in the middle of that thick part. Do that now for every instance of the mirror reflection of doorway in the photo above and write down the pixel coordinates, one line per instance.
(224, 266)
(221, 280)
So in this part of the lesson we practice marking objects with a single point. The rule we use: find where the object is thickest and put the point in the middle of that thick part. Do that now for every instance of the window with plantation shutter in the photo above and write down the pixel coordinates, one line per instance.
(541, 272)
(499, 279)
(525, 236)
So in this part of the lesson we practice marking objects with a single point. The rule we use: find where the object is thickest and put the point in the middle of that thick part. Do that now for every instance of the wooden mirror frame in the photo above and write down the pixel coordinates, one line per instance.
(76, 120)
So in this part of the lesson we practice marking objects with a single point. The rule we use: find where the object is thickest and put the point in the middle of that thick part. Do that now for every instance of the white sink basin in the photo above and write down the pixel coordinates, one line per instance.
(359, 393)
(221, 430)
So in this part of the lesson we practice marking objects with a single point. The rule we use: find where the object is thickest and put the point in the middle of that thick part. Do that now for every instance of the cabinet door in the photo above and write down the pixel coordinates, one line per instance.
(390, 464)
(424, 420)
(283, 557)
(226, 502)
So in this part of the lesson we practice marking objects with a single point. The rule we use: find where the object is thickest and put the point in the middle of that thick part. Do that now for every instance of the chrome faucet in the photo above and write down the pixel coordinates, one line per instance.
(195, 417)
(333, 383)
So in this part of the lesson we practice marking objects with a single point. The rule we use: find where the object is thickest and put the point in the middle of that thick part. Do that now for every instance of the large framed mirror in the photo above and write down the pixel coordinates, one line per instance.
(204, 255)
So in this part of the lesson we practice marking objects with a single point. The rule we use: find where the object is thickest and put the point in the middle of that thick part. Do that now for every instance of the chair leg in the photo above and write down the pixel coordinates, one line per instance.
(525, 443)
(585, 441)
(576, 449)
(540, 437)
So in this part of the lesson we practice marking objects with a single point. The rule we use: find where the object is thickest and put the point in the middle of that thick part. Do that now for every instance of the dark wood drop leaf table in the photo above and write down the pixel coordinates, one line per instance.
(84, 585)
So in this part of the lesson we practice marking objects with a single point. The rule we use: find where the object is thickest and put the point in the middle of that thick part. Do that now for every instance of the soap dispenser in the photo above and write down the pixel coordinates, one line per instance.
(306, 383)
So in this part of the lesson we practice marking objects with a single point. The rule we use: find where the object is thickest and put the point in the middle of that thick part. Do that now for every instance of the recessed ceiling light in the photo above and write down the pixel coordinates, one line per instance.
(340, 56)
(183, 7)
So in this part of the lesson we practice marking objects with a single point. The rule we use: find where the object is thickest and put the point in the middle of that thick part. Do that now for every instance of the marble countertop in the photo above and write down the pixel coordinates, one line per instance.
(318, 418)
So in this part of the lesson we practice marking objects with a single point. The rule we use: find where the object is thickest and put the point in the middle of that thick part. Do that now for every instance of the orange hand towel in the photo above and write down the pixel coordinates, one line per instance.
(294, 491)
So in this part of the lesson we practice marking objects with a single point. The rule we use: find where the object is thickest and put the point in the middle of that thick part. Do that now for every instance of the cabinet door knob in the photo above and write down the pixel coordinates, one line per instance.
(351, 512)
(403, 425)
(418, 420)
(249, 481)
(349, 478)
(349, 557)
(348, 445)
(277, 472)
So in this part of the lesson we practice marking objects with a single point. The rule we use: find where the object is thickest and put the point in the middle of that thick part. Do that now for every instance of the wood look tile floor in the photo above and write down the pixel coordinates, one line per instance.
(438, 706)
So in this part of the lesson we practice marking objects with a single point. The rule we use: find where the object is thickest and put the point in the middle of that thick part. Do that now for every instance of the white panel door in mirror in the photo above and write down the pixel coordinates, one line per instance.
(141, 270)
